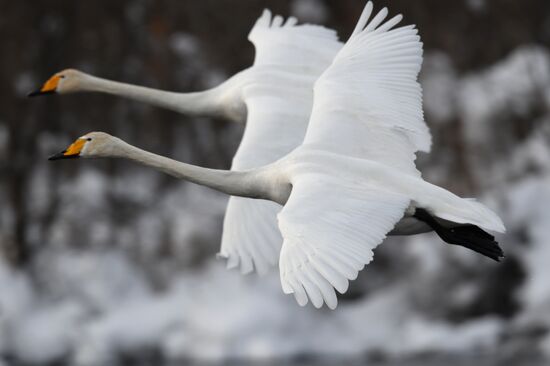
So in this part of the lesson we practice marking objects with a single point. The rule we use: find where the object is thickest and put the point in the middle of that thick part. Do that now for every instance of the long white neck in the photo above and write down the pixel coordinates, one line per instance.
(251, 184)
(203, 103)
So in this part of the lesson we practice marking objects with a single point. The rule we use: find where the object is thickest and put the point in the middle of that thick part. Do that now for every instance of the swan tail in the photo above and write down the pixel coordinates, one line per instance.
(470, 211)
(466, 235)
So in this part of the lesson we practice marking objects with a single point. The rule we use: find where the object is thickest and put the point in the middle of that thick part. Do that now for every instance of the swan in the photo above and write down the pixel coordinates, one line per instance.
(353, 180)
(280, 46)
(288, 60)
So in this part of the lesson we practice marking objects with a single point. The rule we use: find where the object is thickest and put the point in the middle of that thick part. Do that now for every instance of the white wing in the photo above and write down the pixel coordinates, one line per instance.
(276, 123)
(368, 103)
(278, 95)
(328, 241)
(279, 43)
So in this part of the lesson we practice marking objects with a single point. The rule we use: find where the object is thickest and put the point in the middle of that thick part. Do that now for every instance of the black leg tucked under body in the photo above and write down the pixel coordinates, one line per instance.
(469, 236)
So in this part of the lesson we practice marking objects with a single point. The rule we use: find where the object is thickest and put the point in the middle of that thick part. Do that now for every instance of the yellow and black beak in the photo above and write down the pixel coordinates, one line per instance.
(72, 151)
(48, 88)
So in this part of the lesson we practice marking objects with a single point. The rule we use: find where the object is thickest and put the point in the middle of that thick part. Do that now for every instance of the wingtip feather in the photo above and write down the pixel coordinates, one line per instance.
(277, 21)
(291, 21)
(332, 304)
(375, 22)
(363, 19)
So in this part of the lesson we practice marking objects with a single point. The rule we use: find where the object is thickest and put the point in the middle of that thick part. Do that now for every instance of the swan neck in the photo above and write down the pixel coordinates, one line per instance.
(236, 183)
(203, 103)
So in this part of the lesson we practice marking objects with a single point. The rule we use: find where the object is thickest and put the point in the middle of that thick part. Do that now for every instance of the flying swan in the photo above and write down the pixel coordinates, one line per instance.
(280, 46)
(353, 180)
(288, 60)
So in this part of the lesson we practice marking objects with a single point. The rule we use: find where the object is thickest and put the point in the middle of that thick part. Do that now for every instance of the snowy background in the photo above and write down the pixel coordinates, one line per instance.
(108, 263)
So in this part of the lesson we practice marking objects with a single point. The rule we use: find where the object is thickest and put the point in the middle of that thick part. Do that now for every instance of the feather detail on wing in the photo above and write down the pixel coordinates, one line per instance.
(328, 241)
(251, 239)
(276, 123)
(279, 43)
(368, 103)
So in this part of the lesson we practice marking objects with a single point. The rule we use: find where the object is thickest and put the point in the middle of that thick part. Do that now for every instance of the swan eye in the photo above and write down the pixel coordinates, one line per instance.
(89, 139)
(62, 76)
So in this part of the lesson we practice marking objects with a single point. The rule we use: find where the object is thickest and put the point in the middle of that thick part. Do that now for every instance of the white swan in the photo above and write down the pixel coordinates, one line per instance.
(275, 96)
(280, 46)
(353, 180)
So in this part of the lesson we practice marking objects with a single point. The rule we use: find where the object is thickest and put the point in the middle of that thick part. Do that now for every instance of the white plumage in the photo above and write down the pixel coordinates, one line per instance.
(349, 184)
(278, 97)
(286, 44)
(367, 114)
(275, 126)
(328, 241)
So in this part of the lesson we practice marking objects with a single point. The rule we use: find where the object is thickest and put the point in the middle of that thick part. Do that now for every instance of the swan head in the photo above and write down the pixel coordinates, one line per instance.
(66, 81)
(92, 145)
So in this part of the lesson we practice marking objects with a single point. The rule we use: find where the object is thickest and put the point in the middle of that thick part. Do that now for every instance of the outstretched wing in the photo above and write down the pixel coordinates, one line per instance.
(368, 106)
(368, 103)
(286, 44)
(278, 93)
(328, 241)
(276, 123)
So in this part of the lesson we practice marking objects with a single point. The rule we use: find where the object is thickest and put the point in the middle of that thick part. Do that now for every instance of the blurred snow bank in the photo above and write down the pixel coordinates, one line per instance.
(511, 88)
(496, 120)
(215, 315)
(531, 198)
